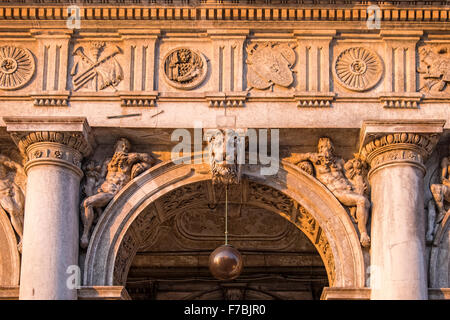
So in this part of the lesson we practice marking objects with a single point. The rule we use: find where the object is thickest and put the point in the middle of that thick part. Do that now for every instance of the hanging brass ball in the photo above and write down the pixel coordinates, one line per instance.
(225, 263)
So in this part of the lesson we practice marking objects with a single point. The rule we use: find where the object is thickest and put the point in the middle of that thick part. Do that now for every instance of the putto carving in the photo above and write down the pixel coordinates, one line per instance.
(270, 63)
(345, 180)
(225, 150)
(184, 68)
(16, 67)
(97, 69)
(435, 67)
(441, 196)
(358, 69)
(12, 194)
(115, 173)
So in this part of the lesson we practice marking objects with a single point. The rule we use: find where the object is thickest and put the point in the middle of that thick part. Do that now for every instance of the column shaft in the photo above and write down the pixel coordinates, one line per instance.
(398, 234)
(51, 232)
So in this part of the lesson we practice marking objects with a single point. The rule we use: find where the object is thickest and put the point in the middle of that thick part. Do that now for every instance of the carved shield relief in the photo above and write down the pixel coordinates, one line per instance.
(269, 64)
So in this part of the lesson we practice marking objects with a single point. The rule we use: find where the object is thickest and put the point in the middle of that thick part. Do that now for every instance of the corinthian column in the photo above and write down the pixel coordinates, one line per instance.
(54, 149)
(398, 266)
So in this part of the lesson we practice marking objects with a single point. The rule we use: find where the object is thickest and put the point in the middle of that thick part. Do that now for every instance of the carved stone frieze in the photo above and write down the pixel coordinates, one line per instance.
(96, 67)
(184, 68)
(435, 68)
(358, 69)
(16, 67)
(270, 63)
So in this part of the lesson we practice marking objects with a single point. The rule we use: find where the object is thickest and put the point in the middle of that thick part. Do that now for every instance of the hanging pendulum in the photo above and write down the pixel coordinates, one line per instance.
(225, 263)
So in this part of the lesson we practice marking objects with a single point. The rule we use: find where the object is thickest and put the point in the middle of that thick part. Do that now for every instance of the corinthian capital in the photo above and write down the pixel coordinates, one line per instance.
(393, 142)
(61, 140)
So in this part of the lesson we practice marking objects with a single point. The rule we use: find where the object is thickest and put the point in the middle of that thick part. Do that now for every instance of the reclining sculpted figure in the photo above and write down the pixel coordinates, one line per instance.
(117, 172)
(330, 170)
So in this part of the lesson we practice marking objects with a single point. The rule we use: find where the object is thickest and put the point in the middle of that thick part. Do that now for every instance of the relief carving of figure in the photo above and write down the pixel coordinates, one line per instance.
(441, 196)
(435, 67)
(116, 172)
(345, 180)
(224, 154)
(12, 194)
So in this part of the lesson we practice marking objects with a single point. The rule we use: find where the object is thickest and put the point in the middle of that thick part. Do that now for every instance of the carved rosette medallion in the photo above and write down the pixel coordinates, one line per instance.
(184, 68)
(397, 147)
(16, 67)
(358, 69)
(269, 64)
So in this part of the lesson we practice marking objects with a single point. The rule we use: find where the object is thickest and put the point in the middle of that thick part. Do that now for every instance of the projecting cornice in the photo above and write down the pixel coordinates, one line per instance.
(419, 11)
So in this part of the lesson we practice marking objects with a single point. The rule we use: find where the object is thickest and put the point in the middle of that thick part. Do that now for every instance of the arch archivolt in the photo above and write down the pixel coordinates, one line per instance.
(134, 215)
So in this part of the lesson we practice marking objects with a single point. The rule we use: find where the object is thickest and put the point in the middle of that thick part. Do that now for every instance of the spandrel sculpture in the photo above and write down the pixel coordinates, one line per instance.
(12, 194)
(115, 173)
(345, 180)
(441, 196)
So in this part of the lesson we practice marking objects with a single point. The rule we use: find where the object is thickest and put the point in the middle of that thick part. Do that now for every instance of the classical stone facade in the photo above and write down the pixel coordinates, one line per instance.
(331, 138)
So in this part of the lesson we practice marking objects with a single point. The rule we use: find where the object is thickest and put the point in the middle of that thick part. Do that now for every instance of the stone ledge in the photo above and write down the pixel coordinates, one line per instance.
(345, 293)
(103, 293)
(364, 293)
(84, 293)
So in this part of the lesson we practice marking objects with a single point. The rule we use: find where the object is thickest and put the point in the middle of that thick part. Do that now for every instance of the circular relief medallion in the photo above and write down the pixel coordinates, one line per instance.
(184, 68)
(16, 67)
(358, 69)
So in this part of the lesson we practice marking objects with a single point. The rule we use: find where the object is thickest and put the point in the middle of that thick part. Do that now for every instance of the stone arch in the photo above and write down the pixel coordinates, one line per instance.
(439, 269)
(336, 239)
(9, 255)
